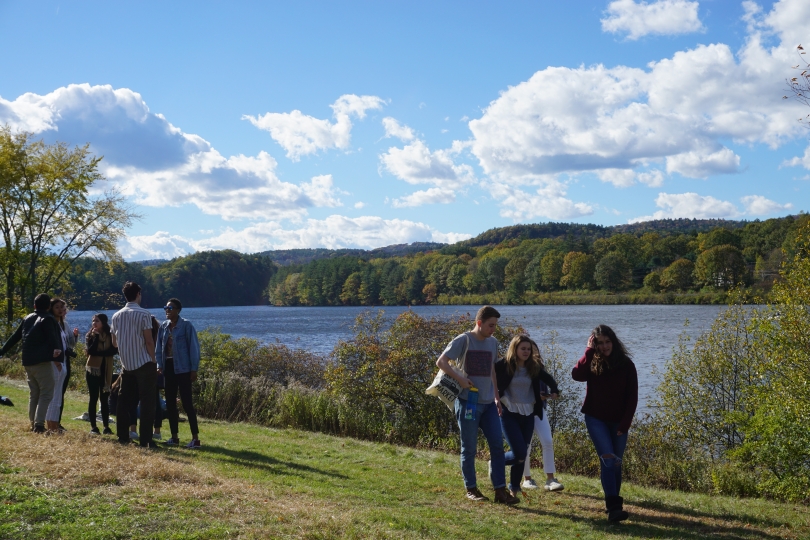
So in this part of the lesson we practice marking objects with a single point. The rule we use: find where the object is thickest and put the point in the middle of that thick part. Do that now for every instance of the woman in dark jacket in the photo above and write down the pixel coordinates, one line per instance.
(99, 369)
(519, 377)
(610, 402)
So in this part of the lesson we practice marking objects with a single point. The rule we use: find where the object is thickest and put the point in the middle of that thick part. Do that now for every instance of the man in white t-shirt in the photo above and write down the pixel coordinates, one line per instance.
(479, 372)
(131, 329)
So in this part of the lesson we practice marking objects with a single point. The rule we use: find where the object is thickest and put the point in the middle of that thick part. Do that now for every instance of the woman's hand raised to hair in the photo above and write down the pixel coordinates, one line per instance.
(591, 342)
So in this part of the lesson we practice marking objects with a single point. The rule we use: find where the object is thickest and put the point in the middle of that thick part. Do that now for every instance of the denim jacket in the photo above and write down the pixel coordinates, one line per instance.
(185, 349)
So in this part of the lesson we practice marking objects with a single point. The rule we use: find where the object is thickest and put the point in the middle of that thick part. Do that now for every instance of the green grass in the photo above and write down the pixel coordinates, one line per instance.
(254, 482)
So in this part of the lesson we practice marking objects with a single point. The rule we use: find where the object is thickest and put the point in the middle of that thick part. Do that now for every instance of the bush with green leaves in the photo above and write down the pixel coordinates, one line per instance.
(384, 370)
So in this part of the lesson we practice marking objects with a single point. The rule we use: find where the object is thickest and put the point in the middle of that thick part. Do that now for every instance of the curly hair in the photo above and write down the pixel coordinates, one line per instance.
(618, 356)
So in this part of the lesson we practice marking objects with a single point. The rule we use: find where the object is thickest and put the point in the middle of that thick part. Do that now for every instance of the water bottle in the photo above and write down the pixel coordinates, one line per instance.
(472, 403)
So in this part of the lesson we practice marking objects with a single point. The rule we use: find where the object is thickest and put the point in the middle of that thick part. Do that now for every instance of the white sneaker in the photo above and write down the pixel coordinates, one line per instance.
(554, 485)
(133, 435)
(529, 484)
(157, 437)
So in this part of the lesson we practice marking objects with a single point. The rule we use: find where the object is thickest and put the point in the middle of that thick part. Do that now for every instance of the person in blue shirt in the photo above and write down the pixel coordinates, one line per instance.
(177, 352)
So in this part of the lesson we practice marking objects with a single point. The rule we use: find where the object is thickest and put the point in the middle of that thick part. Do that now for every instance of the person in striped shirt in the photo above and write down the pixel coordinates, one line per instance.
(131, 329)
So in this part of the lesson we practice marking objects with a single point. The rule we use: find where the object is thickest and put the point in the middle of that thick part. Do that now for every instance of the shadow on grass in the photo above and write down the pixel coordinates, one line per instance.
(691, 512)
(646, 526)
(256, 460)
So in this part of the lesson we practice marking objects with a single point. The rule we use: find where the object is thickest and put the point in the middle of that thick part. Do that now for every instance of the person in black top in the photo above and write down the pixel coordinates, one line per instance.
(41, 349)
(519, 377)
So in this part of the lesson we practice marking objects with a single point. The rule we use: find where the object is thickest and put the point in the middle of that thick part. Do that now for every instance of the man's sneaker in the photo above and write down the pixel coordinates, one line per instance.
(502, 496)
(474, 495)
(553, 485)
(107, 431)
(157, 437)
(529, 483)
(94, 431)
(172, 441)
(133, 435)
(195, 443)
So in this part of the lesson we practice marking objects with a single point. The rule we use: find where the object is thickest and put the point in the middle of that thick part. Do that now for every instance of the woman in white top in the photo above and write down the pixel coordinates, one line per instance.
(519, 376)
(52, 417)
(542, 428)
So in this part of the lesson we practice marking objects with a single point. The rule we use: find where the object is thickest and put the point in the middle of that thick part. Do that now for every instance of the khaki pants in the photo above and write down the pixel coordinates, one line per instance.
(41, 382)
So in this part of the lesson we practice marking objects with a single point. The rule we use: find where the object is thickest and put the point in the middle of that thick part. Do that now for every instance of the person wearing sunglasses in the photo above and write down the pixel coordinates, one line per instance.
(178, 357)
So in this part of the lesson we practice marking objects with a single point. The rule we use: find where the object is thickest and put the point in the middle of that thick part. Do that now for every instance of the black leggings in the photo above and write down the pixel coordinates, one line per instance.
(181, 382)
(95, 384)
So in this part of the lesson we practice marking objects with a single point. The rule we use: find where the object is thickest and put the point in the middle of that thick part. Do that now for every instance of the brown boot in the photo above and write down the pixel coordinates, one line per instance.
(475, 495)
(504, 497)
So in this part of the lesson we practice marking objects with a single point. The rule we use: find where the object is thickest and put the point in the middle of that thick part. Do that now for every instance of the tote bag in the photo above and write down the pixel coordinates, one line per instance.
(445, 387)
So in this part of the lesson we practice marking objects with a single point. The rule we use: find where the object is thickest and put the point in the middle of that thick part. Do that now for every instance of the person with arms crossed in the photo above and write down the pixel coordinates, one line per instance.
(42, 354)
(178, 357)
(131, 330)
(478, 375)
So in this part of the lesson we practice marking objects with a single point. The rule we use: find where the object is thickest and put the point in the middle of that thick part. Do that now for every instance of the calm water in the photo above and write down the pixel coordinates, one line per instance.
(649, 332)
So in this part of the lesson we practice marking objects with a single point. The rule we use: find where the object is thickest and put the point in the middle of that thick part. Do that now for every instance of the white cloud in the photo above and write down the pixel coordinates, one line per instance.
(757, 205)
(428, 196)
(416, 164)
(628, 177)
(395, 129)
(701, 163)
(158, 164)
(300, 134)
(359, 204)
(653, 178)
(547, 202)
(666, 17)
(681, 112)
(334, 232)
(690, 205)
(160, 245)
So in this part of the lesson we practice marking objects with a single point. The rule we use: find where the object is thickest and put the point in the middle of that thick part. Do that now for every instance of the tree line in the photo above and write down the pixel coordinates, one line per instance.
(518, 267)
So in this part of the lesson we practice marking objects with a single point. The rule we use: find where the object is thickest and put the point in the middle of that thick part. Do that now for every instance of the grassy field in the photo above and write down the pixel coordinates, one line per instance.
(253, 482)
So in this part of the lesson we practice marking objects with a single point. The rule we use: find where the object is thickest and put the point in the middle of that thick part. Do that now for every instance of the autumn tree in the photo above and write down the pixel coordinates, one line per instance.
(678, 275)
(721, 266)
(50, 215)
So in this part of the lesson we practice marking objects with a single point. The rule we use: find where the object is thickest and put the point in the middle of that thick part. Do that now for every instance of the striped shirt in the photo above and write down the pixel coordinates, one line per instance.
(127, 325)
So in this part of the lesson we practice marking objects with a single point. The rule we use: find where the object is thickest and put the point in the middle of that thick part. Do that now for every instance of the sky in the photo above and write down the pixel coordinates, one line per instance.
(269, 125)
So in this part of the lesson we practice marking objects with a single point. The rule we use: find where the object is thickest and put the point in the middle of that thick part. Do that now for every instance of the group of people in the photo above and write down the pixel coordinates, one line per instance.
(46, 359)
(147, 349)
(506, 399)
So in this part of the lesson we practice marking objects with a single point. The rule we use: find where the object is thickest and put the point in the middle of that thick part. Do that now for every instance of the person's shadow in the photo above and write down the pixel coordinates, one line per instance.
(255, 460)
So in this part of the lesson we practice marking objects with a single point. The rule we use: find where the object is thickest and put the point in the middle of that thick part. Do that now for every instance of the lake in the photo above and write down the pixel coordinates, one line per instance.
(650, 332)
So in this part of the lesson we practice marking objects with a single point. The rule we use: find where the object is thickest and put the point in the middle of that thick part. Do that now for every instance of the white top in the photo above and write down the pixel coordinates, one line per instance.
(127, 325)
(519, 396)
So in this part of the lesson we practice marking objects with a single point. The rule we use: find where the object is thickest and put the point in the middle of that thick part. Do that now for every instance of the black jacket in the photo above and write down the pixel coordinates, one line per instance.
(40, 336)
(504, 380)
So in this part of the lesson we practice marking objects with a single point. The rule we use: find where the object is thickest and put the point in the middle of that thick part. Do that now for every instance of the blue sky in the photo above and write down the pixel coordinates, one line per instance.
(261, 125)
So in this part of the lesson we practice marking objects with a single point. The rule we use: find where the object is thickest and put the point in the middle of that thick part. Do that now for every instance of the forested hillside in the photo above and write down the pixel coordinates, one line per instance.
(519, 264)
(209, 278)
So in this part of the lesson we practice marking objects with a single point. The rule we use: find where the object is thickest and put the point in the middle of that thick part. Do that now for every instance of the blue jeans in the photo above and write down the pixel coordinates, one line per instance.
(486, 418)
(607, 443)
(518, 430)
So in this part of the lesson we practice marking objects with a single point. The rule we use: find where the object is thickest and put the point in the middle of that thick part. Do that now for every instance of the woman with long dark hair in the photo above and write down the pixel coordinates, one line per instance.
(610, 402)
(519, 376)
(99, 370)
